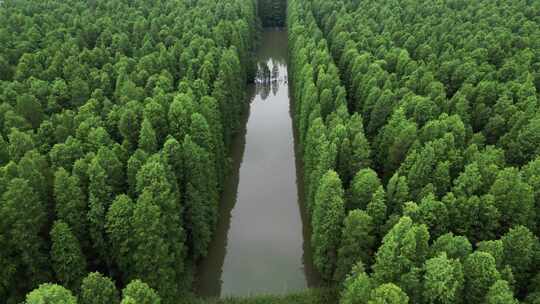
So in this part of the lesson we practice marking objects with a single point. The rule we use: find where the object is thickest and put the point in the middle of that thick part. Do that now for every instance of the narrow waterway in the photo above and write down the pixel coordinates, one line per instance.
(259, 244)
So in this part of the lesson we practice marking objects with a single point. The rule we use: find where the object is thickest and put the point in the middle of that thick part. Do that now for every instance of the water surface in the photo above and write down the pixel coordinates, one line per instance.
(259, 243)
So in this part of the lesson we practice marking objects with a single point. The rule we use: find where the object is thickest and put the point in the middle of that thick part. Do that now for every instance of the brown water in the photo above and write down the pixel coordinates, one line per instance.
(259, 244)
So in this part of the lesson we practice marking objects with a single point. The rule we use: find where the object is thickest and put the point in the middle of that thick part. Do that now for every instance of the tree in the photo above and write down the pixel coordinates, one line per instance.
(147, 137)
(455, 247)
(357, 287)
(356, 243)
(99, 199)
(520, 249)
(98, 289)
(377, 208)
(69, 263)
(388, 294)
(500, 293)
(513, 198)
(480, 274)
(201, 197)
(364, 185)
(70, 204)
(401, 256)
(397, 193)
(22, 219)
(443, 280)
(152, 253)
(328, 215)
(50, 294)
(141, 293)
(19, 144)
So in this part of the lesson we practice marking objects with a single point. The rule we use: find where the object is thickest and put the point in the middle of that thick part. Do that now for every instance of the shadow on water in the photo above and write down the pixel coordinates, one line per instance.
(262, 241)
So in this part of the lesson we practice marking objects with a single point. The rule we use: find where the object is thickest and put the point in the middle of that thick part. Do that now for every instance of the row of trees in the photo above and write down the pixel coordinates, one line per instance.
(418, 129)
(115, 123)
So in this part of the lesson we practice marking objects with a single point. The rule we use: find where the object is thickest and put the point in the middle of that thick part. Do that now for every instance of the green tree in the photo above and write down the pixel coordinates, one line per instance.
(388, 294)
(357, 243)
(513, 198)
(22, 219)
(147, 137)
(50, 294)
(500, 293)
(364, 185)
(141, 293)
(119, 232)
(443, 280)
(70, 204)
(377, 207)
(201, 196)
(521, 249)
(68, 261)
(328, 215)
(19, 144)
(480, 274)
(98, 289)
(357, 287)
(99, 199)
(403, 249)
(454, 246)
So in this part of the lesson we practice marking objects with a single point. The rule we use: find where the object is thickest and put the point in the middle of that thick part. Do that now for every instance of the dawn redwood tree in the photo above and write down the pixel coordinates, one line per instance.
(443, 280)
(50, 293)
(147, 137)
(514, 199)
(140, 293)
(521, 251)
(70, 204)
(22, 219)
(480, 274)
(68, 261)
(388, 294)
(97, 289)
(500, 293)
(363, 187)
(404, 248)
(454, 246)
(357, 286)
(357, 241)
(328, 215)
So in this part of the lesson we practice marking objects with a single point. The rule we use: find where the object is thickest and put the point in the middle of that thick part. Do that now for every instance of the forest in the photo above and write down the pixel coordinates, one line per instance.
(418, 126)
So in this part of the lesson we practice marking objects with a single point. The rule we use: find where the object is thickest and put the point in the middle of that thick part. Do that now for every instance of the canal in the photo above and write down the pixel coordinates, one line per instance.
(259, 244)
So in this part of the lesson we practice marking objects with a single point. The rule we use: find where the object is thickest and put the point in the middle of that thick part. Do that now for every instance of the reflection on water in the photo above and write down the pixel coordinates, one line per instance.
(269, 79)
(260, 240)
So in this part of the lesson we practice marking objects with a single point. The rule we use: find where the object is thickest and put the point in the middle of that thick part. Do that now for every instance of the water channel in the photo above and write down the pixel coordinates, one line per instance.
(259, 244)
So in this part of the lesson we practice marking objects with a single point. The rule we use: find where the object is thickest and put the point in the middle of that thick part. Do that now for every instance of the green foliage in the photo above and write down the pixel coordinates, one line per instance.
(364, 185)
(68, 261)
(500, 293)
(480, 274)
(443, 280)
(70, 204)
(357, 243)
(50, 294)
(98, 289)
(140, 293)
(357, 287)
(328, 215)
(388, 293)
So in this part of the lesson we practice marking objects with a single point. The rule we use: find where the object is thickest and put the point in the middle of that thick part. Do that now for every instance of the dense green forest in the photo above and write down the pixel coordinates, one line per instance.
(115, 122)
(419, 127)
(418, 123)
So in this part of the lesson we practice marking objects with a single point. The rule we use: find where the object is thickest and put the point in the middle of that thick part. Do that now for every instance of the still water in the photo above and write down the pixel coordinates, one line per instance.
(258, 247)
